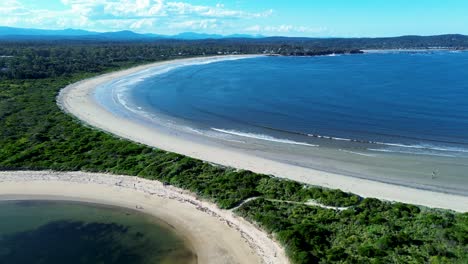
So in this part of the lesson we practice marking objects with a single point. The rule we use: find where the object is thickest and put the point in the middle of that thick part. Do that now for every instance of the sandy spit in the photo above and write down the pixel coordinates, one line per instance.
(77, 99)
(216, 235)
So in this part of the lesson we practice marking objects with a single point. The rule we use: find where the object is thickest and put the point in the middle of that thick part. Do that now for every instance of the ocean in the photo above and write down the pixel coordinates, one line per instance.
(393, 116)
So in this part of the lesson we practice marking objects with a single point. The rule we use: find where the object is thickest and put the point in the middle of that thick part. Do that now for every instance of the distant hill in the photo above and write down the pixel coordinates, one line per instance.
(403, 42)
(11, 31)
(25, 33)
(195, 36)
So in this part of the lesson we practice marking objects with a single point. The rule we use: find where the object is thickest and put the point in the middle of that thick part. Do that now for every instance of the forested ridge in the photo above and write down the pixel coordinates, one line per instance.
(37, 60)
(36, 135)
(454, 41)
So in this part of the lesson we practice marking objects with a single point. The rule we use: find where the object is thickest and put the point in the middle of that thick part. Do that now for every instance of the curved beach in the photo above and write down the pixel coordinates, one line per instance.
(216, 236)
(78, 100)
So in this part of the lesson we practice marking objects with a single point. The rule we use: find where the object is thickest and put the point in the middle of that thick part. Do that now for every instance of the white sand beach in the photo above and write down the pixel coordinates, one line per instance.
(77, 99)
(217, 236)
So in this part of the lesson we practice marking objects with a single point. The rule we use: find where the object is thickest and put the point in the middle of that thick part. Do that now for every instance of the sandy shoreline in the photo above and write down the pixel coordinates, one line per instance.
(78, 100)
(217, 236)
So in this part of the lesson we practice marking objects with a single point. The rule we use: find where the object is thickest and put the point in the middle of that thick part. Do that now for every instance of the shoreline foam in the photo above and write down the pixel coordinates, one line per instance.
(77, 99)
(216, 235)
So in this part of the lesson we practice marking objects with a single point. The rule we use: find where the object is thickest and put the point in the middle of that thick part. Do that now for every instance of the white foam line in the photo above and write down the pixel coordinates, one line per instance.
(424, 147)
(357, 153)
(262, 137)
(414, 153)
(196, 131)
(327, 137)
(121, 85)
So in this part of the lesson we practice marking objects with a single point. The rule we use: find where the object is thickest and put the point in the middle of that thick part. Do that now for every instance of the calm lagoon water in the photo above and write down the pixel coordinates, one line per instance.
(399, 117)
(69, 232)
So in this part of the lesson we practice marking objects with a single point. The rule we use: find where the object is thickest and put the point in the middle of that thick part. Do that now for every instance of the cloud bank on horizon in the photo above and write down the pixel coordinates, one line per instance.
(277, 17)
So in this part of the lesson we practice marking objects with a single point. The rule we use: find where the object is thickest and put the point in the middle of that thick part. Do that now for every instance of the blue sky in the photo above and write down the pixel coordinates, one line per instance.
(313, 18)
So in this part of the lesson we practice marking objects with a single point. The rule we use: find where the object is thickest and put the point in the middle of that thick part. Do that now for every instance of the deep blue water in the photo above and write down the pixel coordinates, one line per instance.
(413, 102)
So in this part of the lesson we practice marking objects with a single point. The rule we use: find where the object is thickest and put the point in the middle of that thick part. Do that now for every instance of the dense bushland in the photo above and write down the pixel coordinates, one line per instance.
(370, 232)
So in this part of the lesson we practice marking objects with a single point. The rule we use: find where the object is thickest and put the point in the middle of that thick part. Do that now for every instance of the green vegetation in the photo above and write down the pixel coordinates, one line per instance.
(371, 232)
(36, 135)
(36, 60)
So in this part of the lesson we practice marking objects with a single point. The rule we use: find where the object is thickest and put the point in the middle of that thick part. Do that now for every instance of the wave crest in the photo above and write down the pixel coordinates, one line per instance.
(262, 137)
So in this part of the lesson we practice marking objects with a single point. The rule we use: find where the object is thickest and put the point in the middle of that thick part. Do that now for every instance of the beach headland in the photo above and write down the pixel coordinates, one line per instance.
(78, 100)
(216, 236)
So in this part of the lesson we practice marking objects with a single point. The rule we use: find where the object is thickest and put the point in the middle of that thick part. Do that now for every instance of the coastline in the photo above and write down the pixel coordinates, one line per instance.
(77, 99)
(216, 235)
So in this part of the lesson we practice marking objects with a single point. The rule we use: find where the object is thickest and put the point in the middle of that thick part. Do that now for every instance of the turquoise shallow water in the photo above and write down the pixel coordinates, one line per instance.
(68, 232)
(399, 117)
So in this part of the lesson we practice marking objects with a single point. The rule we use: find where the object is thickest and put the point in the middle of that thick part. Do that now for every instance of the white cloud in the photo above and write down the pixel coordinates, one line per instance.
(255, 28)
(219, 10)
(111, 9)
(143, 23)
(133, 9)
(195, 24)
(286, 29)
(149, 14)
(12, 7)
(139, 15)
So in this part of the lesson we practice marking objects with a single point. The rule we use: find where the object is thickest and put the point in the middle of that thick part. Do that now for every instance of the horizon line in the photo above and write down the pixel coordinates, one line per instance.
(257, 35)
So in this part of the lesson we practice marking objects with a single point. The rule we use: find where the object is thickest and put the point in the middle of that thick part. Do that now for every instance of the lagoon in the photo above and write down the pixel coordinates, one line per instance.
(35, 231)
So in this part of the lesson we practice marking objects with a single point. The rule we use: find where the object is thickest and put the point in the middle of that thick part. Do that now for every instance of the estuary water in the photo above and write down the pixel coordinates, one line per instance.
(393, 116)
(70, 232)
